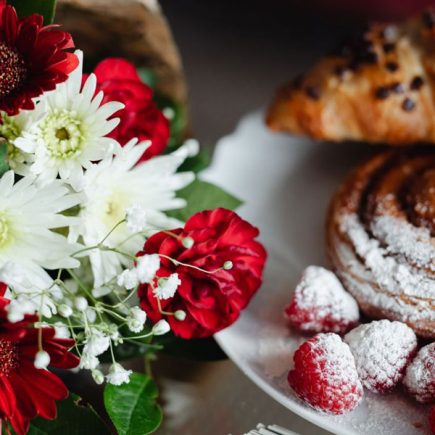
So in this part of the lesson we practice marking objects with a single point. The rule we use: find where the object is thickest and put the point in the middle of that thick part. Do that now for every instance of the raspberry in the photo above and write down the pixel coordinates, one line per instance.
(325, 375)
(321, 304)
(420, 375)
(382, 351)
(432, 419)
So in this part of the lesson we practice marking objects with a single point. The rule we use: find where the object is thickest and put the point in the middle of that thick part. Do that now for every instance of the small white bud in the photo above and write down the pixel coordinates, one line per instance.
(62, 330)
(188, 242)
(169, 113)
(91, 315)
(161, 327)
(42, 359)
(98, 377)
(65, 311)
(81, 303)
(180, 315)
(228, 265)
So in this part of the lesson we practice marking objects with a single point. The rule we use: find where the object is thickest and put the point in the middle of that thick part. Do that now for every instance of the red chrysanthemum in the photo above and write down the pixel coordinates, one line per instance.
(211, 301)
(140, 118)
(25, 391)
(32, 59)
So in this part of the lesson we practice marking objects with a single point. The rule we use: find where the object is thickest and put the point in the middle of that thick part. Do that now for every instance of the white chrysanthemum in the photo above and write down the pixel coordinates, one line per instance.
(115, 184)
(72, 128)
(28, 212)
(11, 128)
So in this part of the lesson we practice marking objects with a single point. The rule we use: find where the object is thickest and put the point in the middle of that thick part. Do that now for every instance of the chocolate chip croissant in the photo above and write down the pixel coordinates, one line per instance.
(377, 88)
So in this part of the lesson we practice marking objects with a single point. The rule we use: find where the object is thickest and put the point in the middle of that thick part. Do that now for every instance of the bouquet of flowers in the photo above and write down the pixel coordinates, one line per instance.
(108, 240)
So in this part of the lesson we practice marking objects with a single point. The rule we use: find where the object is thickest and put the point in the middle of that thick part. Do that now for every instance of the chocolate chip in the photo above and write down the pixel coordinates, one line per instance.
(416, 83)
(397, 88)
(392, 66)
(388, 47)
(382, 92)
(370, 57)
(313, 92)
(408, 105)
(298, 81)
(428, 18)
(339, 70)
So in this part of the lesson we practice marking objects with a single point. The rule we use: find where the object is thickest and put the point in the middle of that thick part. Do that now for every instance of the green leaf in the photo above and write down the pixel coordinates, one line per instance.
(46, 8)
(3, 158)
(178, 121)
(132, 407)
(197, 163)
(147, 76)
(73, 418)
(201, 195)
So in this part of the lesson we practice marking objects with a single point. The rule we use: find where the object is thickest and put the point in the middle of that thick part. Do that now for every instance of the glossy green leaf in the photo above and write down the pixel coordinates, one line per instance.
(197, 163)
(3, 158)
(46, 8)
(132, 407)
(148, 76)
(201, 195)
(73, 418)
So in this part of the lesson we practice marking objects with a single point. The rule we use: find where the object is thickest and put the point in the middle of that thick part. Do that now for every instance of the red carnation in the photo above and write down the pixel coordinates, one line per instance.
(32, 59)
(25, 391)
(212, 301)
(140, 118)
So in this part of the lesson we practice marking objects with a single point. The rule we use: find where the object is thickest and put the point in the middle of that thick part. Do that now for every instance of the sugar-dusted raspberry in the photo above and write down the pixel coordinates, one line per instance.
(321, 304)
(382, 351)
(325, 375)
(420, 375)
(432, 419)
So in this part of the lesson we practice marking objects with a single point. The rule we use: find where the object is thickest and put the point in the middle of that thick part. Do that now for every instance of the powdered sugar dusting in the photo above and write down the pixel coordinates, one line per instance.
(322, 296)
(392, 274)
(405, 239)
(420, 375)
(382, 349)
(335, 359)
(325, 375)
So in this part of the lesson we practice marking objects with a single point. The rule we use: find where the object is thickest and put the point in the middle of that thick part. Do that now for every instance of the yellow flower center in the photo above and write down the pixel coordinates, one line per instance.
(63, 134)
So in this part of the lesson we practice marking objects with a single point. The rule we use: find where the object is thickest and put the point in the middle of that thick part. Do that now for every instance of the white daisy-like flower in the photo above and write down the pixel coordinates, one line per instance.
(11, 128)
(111, 187)
(28, 213)
(71, 132)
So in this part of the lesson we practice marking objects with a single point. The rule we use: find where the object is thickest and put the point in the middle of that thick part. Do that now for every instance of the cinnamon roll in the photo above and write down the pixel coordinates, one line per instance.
(381, 237)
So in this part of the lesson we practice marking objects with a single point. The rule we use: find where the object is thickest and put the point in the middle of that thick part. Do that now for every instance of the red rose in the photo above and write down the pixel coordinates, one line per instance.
(211, 301)
(140, 118)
